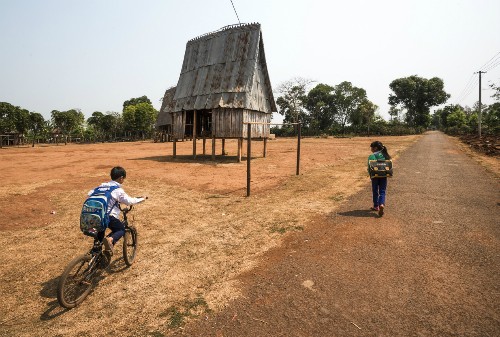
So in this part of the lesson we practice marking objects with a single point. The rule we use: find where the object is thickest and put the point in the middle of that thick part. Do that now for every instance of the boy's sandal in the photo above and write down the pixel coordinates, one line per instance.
(107, 244)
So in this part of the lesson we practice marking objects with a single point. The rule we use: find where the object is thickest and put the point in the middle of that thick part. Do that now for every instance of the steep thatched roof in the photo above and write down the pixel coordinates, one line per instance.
(225, 69)
(167, 106)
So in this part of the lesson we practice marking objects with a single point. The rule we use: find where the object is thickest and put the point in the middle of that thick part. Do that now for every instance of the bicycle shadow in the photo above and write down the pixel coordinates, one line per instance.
(49, 290)
(360, 213)
(117, 266)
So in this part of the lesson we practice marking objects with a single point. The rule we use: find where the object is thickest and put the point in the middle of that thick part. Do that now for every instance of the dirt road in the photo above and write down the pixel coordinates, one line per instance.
(429, 267)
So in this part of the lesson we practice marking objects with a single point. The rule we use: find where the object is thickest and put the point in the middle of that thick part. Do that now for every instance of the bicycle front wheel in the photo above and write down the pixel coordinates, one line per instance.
(76, 281)
(130, 245)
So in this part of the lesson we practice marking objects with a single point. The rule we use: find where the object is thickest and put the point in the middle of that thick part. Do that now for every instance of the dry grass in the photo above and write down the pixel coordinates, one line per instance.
(197, 231)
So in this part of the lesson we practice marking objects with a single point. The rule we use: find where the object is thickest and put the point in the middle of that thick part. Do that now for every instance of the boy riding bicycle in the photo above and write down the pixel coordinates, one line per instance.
(118, 196)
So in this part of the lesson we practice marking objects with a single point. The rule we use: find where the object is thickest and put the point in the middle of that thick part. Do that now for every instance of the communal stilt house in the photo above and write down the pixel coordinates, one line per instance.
(223, 85)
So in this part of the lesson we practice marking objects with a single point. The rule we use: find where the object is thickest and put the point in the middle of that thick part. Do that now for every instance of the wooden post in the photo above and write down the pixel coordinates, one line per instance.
(213, 147)
(240, 145)
(194, 134)
(249, 156)
(223, 146)
(204, 145)
(265, 147)
(175, 147)
(298, 149)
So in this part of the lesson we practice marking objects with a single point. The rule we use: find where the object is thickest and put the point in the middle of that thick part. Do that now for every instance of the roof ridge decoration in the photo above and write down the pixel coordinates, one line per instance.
(228, 27)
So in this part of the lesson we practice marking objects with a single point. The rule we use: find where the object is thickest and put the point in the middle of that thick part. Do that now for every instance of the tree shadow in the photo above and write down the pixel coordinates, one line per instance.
(200, 159)
(360, 213)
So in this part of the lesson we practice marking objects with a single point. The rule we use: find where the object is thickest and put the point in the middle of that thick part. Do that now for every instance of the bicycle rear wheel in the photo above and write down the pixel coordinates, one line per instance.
(76, 281)
(130, 245)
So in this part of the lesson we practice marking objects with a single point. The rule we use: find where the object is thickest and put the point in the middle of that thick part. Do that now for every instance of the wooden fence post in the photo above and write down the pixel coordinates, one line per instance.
(249, 156)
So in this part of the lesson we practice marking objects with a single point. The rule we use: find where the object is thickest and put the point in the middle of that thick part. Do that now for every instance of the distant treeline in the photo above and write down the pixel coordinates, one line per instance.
(344, 109)
(20, 126)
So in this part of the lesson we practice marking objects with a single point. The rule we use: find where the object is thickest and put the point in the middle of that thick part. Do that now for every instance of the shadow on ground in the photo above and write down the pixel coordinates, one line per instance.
(360, 213)
(200, 159)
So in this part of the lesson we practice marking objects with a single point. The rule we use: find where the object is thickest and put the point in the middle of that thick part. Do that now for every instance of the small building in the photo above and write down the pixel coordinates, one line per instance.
(223, 85)
(164, 121)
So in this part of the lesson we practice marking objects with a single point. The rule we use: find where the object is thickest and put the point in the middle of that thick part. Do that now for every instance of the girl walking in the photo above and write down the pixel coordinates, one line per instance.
(379, 184)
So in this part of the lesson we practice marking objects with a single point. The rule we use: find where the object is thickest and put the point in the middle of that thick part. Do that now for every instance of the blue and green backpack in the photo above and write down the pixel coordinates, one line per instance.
(95, 215)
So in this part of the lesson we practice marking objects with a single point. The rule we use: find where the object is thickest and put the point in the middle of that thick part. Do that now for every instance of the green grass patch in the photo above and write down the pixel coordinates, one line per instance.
(156, 334)
(337, 197)
(284, 229)
(189, 308)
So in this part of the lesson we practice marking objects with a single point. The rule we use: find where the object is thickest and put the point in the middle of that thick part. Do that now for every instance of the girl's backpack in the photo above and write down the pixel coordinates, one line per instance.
(94, 217)
(380, 168)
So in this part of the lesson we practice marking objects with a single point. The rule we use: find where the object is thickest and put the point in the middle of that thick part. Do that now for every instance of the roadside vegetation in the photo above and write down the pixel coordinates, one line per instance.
(322, 109)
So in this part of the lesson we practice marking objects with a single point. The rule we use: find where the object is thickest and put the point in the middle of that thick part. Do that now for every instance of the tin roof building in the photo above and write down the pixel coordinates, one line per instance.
(224, 84)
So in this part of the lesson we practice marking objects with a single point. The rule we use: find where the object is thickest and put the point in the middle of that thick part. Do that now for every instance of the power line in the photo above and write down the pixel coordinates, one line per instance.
(235, 12)
(493, 65)
(469, 83)
(473, 81)
(467, 90)
(495, 56)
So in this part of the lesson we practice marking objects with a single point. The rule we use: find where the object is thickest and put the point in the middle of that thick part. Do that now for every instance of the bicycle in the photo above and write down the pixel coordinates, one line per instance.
(80, 274)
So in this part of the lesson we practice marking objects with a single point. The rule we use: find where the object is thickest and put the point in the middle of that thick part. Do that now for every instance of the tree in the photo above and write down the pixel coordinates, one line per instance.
(347, 99)
(457, 119)
(319, 102)
(21, 120)
(441, 115)
(395, 113)
(364, 115)
(492, 118)
(7, 117)
(110, 124)
(496, 94)
(292, 100)
(96, 122)
(135, 101)
(68, 121)
(36, 125)
(140, 119)
(417, 95)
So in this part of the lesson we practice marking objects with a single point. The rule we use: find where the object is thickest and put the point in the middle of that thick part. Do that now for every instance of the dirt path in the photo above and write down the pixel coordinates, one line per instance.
(430, 267)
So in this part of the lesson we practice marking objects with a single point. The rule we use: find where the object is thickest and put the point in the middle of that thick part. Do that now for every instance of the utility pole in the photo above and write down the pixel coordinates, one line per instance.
(480, 113)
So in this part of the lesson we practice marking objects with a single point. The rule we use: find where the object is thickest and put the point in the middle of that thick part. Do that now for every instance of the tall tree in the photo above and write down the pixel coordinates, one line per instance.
(417, 95)
(492, 118)
(347, 99)
(441, 121)
(135, 101)
(7, 117)
(139, 119)
(496, 94)
(96, 122)
(36, 125)
(292, 100)
(319, 102)
(364, 115)
(68, 121)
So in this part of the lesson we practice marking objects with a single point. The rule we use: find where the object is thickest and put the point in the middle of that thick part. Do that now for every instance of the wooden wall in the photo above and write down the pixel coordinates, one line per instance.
(227, 123)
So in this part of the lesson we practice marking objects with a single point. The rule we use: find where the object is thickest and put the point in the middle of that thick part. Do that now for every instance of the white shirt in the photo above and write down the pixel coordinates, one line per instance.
(120, 196)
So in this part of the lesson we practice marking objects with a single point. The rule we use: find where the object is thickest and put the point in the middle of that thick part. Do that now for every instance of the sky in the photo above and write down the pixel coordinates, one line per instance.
(93, 55)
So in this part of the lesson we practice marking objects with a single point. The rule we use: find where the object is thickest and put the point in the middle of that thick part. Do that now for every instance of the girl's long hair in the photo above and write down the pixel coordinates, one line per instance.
(380, 147)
